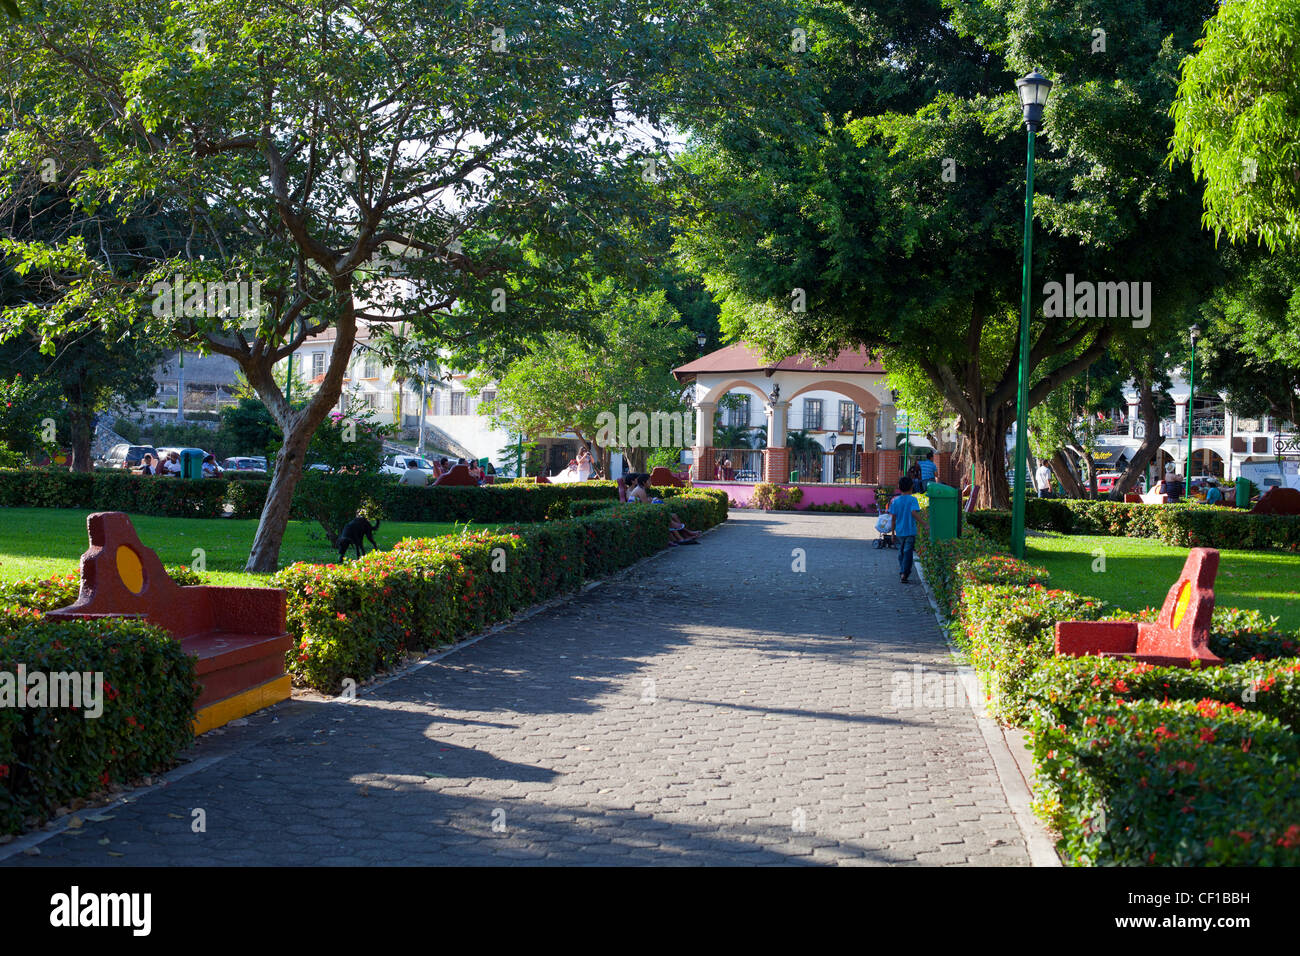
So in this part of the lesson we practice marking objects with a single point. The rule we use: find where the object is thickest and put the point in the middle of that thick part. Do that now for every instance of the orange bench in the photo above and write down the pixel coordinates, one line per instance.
(1181, 635)
(237, 634)
(664, 478)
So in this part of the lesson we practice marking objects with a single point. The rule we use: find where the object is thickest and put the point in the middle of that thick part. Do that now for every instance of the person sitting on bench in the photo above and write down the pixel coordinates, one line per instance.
(678, 533)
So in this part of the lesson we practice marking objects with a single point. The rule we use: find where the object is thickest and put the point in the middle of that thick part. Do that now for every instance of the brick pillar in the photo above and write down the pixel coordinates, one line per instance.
(889, 465)
(943, 464)
(866, 467)
(776, 465)
(704, 464)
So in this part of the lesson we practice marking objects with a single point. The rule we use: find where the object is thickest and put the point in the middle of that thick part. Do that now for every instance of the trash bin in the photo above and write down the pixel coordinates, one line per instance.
(945, 511)
(794, 475)
(192, 462)
(1243, 492)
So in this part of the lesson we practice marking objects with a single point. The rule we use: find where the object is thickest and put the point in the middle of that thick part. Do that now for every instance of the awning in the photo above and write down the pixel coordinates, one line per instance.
(1113, 457)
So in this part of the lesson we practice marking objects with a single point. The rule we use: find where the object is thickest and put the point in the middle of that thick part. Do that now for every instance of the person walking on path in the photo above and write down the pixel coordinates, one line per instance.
(929, 471)
(905, 508)
(1043, 480)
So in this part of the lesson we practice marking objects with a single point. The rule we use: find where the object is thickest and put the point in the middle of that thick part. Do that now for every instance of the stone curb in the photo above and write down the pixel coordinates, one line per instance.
(1017, 789)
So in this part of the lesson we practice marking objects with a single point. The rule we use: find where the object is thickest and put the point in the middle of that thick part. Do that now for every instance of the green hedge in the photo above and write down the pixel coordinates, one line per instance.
(1170, 783)
(49, 756)
(1182, 525)
(356, 619)
(1158, 784)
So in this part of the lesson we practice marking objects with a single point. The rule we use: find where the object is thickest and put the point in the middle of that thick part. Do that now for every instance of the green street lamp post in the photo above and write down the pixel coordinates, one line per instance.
(1033, 90)
(1191, 411)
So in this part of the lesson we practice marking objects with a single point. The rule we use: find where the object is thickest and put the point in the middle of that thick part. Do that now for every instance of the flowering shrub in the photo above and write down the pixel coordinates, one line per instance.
(1182, 783)
(51, 755)
(1008, 633)
(49, 594)
(356, 619)
(1063, 685)
(770, 497)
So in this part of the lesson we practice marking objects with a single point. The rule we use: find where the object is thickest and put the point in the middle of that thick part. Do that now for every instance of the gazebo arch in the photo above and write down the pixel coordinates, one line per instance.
(718, 391)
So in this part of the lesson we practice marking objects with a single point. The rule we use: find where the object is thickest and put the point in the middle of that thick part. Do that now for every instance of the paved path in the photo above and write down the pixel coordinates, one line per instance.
(714, 706)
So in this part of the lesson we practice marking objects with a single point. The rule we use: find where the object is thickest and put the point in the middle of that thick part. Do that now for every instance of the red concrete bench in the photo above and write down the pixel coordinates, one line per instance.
(1132, 498)
(459, 475)
(238, 634)
(1181, 635)
(1278, 501)
(664, 477)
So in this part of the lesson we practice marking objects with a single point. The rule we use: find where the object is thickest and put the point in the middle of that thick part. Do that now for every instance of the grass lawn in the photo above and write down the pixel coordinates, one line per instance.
(41, 542)
(1139, 573)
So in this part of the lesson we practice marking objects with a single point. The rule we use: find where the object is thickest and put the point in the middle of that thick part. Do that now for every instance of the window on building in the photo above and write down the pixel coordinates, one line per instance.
(812, 414)
(846, 416)
(489, 396)
(371, 367)
(739, 416)
(317, 364)
(458, 404)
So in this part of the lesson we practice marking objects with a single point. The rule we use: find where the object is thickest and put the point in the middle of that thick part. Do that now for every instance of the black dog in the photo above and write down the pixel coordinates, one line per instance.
(353, 532)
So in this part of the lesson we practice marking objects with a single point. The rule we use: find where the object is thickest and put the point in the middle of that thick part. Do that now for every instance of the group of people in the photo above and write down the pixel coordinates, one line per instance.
(581, 468)
(413, 475)
(635, 489)
(170, 464)
(923, 471)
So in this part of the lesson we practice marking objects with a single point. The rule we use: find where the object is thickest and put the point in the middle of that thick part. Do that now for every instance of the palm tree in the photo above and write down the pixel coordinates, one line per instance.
(805, 452)
(410, 360)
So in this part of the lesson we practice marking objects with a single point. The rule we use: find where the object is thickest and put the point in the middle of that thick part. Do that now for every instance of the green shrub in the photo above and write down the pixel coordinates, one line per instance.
(1182, 783)
(769, 496)
(996, 525)
(50, 594)
(1008, 633)
(1182, 525)
(49, 756)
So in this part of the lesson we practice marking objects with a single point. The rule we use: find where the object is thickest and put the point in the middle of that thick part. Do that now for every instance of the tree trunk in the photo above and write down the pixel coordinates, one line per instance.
(1151, 442)
(1065, 474)
(988, 447)
(1092, 475)
(298, 427)
(83, 432)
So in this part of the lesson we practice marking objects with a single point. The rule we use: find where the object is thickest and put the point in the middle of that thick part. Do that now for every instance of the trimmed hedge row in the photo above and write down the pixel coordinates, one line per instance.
(49, 755)
(209, 497)
(1181, 525)
(1170, 783)
(1134, 764)
(354, 620)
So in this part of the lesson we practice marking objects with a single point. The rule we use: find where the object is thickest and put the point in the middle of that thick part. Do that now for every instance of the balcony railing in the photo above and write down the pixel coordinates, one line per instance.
(746, 465)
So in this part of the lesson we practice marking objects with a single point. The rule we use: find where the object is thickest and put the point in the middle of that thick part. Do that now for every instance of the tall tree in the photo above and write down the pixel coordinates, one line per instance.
(891, 216)
(1236, 115)
(620, 367)
(444, 165)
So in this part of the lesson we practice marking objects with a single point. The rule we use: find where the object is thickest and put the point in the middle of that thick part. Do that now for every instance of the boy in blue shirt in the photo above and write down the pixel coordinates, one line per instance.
(905, 508)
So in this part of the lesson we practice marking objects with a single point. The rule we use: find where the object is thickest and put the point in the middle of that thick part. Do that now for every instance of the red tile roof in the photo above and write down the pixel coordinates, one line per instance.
(742, 358)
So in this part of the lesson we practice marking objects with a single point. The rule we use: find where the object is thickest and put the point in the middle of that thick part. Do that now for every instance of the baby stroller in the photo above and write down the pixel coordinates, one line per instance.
(885, 525)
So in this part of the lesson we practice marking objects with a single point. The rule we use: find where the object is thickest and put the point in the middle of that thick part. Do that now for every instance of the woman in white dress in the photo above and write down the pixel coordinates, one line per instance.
(584, 464)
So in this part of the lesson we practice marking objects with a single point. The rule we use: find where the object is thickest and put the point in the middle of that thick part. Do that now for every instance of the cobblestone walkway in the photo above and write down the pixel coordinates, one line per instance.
(714, 706)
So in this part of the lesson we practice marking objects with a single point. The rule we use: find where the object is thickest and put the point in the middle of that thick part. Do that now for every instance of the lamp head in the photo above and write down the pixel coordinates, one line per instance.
(701, 339)
(1033, 89)
(1195, 333)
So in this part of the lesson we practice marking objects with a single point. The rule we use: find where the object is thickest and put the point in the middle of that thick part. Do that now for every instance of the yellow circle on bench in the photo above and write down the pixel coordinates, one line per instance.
(129, 569)
(1180, 606)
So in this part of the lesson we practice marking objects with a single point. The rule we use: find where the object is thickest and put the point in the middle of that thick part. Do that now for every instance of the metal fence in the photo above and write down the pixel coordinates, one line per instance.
(737, 464)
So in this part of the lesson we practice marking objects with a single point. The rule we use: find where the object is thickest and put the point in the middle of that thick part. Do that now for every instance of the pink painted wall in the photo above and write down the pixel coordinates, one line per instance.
(741, 493)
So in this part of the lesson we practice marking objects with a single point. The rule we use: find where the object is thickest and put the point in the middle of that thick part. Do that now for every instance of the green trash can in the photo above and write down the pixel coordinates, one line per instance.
(192, 462)
(1243, 492)
(794, 475)
(945, 511)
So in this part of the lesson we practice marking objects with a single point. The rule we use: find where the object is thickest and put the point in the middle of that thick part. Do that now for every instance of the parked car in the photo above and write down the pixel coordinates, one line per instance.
(244, 464)
(127, 456)
(396, 464)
